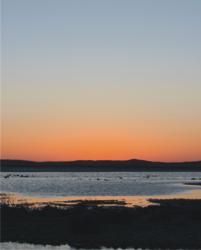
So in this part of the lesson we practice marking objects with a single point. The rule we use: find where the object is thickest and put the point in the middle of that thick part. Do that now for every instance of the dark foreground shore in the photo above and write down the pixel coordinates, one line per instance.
(173, 224)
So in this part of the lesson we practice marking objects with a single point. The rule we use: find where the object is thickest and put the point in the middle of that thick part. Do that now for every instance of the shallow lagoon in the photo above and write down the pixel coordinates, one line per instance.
(97, 184)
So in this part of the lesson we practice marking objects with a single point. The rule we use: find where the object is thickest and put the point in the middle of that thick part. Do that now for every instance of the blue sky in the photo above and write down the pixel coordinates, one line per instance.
(133, 66)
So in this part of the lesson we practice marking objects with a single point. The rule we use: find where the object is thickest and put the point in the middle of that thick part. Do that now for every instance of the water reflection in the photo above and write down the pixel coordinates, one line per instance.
(128, 201)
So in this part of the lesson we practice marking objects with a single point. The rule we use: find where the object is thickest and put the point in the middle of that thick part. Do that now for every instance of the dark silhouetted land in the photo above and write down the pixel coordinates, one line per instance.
(175, 224)
(193, 183)
(97, 166)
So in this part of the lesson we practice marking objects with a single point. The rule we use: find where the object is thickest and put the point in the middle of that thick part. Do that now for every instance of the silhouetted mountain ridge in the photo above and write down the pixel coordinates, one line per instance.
(97, 166)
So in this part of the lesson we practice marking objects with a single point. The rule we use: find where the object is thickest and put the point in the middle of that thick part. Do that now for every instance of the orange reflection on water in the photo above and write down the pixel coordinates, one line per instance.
(129, 201)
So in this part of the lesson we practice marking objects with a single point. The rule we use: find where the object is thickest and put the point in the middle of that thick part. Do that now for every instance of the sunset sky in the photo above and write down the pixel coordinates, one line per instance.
(101, 79)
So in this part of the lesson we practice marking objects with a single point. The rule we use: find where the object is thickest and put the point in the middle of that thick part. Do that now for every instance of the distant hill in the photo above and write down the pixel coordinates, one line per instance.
(132, 165)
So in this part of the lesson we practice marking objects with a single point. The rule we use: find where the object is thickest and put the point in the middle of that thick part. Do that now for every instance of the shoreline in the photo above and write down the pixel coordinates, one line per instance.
(167, 222)
(173, 224)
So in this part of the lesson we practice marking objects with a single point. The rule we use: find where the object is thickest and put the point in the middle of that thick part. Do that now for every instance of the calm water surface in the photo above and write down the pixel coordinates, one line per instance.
(97, 184)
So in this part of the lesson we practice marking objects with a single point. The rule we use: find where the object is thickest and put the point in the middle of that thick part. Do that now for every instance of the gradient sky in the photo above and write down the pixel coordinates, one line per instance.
(101, 79)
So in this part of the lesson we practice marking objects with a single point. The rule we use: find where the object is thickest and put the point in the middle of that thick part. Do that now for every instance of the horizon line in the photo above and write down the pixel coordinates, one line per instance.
(131, 159)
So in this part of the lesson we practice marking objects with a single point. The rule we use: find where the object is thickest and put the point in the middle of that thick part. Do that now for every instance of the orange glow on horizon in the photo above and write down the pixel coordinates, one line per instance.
(45, 140)
(98, 144)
